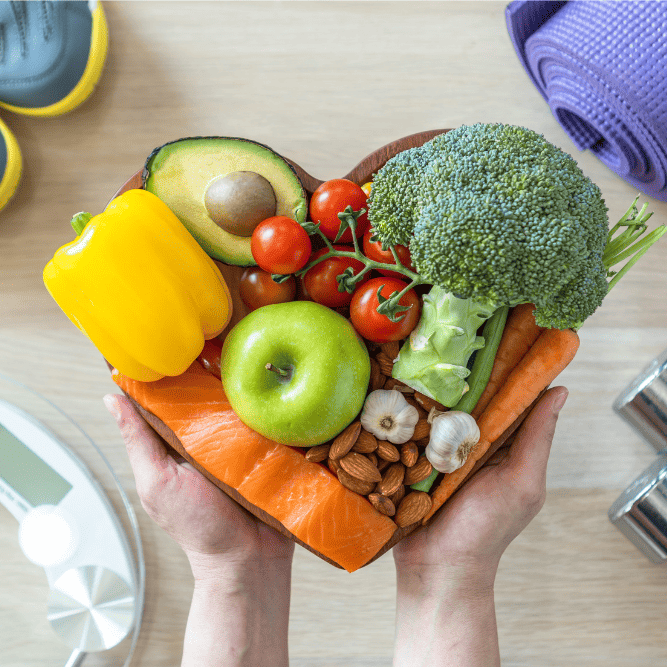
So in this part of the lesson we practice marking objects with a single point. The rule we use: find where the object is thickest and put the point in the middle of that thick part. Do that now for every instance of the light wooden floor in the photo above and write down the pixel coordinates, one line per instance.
(325, 84)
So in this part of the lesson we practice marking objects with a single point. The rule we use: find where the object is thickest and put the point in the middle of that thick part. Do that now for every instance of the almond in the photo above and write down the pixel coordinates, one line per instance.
(391, 349)
(372, 457)
(422, 430)
(398, 496)
(377, 380)
(419, 471)
(392, 479)
(333, 465)
(409, 454)
(383, 464)
(385, 362)
(354, 484)
(412, 508)
(366, 443)
(318, 453)
(412, 401)
(387, 451)
(427, 402)
(382, 504)
(360, 467)
(344, 441)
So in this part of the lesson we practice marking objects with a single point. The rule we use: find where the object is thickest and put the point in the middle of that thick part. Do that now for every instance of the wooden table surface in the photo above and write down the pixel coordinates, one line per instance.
(325, 84)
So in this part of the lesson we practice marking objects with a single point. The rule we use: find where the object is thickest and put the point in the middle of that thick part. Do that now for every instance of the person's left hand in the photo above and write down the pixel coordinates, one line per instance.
(202, 519)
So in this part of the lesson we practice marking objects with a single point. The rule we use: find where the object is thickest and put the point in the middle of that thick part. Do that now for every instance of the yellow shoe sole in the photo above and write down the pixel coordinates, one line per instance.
(12, 175)
(99, 41)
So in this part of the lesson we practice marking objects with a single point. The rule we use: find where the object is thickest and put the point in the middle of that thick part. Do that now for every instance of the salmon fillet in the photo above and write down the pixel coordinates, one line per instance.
(303, 496)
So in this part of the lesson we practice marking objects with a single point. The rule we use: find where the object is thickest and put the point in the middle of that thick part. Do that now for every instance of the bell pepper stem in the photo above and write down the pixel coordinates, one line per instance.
(79, 221)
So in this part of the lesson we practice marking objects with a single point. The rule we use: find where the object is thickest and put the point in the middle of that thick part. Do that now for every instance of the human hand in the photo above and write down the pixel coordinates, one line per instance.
(204, 521)
(239, 613)
(445, 610)
(478, 523)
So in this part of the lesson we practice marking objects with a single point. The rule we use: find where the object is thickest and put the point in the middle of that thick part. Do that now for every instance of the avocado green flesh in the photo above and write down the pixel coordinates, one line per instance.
(180, 172)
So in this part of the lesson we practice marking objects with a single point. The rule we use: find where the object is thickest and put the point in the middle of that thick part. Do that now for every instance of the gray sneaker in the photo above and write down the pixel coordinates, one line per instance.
(51, 54)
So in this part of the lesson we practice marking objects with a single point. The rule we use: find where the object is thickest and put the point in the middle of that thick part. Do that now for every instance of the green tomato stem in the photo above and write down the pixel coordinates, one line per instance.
(79, 222)
(369, 264)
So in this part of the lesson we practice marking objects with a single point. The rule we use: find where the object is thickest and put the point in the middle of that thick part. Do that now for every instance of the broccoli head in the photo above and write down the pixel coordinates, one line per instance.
(497, 214)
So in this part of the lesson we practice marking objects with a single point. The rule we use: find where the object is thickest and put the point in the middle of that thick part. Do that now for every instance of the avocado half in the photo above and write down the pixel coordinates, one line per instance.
(180, 172)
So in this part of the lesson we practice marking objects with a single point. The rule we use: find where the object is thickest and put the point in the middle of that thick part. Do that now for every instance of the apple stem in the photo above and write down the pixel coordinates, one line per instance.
(275, 369)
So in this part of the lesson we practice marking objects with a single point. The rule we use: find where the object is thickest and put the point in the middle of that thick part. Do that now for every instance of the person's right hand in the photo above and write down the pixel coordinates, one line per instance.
(475, 527)
(445, 572)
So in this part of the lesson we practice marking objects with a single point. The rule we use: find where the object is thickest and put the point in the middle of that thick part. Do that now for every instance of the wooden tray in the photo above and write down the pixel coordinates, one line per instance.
(360, 174)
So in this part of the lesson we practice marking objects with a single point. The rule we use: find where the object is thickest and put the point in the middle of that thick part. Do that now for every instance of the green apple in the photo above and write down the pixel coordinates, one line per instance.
(295, 372)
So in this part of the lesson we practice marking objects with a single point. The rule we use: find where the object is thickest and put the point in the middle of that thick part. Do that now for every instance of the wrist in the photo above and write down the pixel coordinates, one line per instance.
(445, 618)
(240, 612)
(211, 569)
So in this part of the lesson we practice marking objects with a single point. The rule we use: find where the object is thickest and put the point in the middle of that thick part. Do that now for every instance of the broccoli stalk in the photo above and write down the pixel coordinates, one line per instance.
(434, 359)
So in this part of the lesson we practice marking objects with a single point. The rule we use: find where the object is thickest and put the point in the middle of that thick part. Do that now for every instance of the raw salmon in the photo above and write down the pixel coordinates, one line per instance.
(303, 496)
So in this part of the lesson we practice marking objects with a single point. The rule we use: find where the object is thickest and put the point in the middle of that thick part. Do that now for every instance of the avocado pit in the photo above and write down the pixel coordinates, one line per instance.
(239, 201)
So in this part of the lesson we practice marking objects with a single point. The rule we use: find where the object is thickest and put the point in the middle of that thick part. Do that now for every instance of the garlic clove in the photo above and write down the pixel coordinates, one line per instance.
(453, 436)
(388, 416)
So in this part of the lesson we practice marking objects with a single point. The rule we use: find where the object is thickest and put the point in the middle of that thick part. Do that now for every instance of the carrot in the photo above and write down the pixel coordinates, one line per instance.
(548, 356)
(519, 334)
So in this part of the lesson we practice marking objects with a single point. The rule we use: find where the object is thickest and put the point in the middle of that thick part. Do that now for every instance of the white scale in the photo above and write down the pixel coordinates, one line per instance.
(68, 526)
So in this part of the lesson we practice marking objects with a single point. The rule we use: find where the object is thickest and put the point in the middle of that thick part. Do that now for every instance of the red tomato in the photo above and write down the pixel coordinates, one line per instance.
(280, 245)
(332, 198)
(373, 250)
(258, 289)
(375, 326)
(320, 282)
(209, 357)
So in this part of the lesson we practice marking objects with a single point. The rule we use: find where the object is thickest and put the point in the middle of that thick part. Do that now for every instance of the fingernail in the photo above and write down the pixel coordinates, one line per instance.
(559, 401)
(112, 406)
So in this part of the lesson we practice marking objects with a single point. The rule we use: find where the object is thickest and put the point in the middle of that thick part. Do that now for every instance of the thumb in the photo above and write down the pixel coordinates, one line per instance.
(148, 455)
(529, 453)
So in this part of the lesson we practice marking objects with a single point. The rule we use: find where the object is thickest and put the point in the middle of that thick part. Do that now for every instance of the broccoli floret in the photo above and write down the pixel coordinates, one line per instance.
(394, 197)
(498, 214)
(494, 216)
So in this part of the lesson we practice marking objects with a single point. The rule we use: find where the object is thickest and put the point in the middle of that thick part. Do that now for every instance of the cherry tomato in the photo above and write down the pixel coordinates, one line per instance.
(258, 289)
(320, 282)
(209, 357)
(332, 198)
(375, 326)
(280, 245)
(373, 250)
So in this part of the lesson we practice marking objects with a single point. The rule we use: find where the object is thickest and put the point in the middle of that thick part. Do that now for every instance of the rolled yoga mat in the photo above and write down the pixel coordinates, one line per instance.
(602, 68)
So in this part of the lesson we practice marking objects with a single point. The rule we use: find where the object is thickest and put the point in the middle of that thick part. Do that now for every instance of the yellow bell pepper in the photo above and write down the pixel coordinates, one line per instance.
(140, 287)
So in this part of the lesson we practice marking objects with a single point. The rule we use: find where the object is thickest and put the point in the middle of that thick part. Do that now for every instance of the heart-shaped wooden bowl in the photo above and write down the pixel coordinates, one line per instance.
(362, 173)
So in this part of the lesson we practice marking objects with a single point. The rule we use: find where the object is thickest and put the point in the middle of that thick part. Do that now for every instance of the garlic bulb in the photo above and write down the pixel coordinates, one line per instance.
(453, 435)
(388, 416)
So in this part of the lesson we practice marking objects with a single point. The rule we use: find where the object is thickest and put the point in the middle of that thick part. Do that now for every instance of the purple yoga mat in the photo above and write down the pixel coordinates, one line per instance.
(602, 68)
